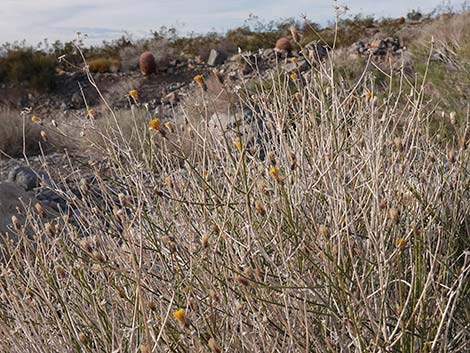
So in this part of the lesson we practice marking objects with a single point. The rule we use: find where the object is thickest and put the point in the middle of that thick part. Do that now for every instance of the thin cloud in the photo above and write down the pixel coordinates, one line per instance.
(35, 20)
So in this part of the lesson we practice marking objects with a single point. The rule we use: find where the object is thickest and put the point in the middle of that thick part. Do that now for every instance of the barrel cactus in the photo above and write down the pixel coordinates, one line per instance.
(283, 44)
(147, 64)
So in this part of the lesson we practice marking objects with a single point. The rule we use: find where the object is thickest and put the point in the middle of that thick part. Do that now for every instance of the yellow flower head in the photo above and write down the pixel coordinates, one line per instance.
(293, 59)
(34, 119)
(238, 144)
(91, 113)
(368, 95)
(168, 125)
(274, 172)
(293, 76)
(154, 124)
(180, 316)
(199, 79)
(401, 244)
(133, 94)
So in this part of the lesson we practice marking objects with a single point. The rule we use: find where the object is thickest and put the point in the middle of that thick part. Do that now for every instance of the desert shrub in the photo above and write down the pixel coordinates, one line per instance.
(251, 37)
(347, 32)
(29, 67)
(351, 236)
(159, 47)
(20, 136)
(104, 65)
(414, 15)
(201, 45)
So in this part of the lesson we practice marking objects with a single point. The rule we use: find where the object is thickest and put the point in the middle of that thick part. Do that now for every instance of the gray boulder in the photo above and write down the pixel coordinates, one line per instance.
(27, 178)
(315, 51)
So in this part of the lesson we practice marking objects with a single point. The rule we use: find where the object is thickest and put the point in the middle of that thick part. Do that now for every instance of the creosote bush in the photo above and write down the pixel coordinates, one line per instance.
(29, 67)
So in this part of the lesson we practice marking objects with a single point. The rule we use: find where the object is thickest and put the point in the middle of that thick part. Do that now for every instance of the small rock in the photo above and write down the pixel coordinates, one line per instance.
(13, 198)
(268, 53)
(77, 100)
(299, 65)
(170, 98)
(315, 51)
(215, 58)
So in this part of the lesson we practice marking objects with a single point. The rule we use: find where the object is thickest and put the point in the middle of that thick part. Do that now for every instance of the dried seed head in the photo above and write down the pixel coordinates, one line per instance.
(398, 143)
(260, 208)
(82, 338)
(119, 214)
(122, 293)
(323, 230)
(272, 159)
(124, 200)
(218, 76)
(383, 204)
(401, 244)
(16, 222)
(170, 244)
(50, 231)
(214, 229)
(294, 33)
(169, 126)
(39, 209)
(86, 245)
(394, 215)
(293, 161)
(213, 295)
(463, 140)
(44, 135)
(213, 346)
(60, 272)
(151, 306)
(144, 348)
(98, 256)
(452, 116)
(168, 181)
(451, 156)
(84, 187)
(248, 273)
(205, 240)
(242, 280)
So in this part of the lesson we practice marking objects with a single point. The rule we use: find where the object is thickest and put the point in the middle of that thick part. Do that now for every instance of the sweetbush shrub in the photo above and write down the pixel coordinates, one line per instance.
(350, 235)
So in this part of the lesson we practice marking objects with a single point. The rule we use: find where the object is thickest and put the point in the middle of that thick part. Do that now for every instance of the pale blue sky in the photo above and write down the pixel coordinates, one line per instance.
(35, 20)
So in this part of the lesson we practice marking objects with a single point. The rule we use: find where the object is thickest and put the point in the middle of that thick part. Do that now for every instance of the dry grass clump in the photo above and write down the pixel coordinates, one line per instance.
(350, 236)
(449, 72)
(26, 135)
(103, 65)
